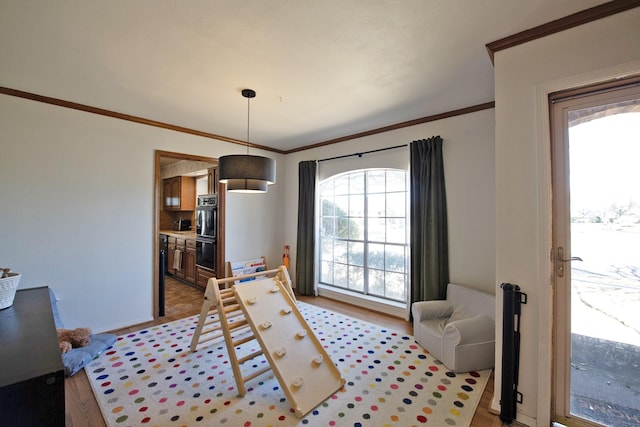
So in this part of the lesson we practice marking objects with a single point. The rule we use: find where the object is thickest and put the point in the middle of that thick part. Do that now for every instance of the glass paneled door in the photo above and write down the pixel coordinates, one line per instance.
(596, 234)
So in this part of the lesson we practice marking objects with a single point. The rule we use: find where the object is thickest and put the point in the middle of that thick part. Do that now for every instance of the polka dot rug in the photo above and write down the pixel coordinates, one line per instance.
(150, 378)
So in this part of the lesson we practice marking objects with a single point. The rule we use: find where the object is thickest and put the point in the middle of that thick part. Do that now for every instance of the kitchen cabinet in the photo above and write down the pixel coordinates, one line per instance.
(180, 246)
(171, 253)
(179, 193)
(187, 248)
(166, 194)
(203, 275)
(212, 180)
(189, 261)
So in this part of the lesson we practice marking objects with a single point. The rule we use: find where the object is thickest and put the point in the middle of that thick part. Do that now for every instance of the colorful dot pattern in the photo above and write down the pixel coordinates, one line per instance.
(150, 378)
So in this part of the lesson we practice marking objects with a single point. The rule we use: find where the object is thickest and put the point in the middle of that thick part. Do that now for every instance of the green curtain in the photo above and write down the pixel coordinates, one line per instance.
(305, 249)
(428, 221)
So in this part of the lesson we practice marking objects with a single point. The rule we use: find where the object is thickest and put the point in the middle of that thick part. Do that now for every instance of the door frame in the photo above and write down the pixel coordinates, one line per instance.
(559, 103)
(157, 206)
(540, 128)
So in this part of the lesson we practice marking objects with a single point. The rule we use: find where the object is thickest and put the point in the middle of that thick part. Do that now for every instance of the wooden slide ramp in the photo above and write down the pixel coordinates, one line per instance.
(267, 306)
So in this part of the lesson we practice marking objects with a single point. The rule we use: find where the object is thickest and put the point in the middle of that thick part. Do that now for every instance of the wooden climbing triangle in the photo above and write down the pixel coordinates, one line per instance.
(265, 310)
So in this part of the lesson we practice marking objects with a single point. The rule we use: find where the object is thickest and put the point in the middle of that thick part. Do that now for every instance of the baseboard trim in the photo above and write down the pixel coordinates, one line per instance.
(493, 409)
(521, 419)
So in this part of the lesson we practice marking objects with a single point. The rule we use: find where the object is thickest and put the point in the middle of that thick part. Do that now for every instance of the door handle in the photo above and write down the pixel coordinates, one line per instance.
(560, 260)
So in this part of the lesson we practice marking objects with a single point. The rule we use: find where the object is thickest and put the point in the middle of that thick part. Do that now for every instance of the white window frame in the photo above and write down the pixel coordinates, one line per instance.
(364, 298)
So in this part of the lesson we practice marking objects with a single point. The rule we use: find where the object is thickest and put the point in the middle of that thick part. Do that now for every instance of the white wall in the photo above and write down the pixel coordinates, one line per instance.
(524, 76)
(77, 209)
(77, 204)
(468, 152)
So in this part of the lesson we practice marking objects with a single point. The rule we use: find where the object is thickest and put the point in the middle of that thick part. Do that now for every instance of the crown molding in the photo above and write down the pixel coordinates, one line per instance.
(121, 116)
(116, 115)
(570, 21)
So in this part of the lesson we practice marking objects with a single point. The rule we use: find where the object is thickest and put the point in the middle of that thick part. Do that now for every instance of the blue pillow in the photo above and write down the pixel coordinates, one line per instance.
(76, 358)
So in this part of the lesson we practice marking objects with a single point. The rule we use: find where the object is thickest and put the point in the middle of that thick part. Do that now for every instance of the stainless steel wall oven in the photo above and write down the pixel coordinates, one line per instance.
(206, 253)
(206, 230)
(207, 216)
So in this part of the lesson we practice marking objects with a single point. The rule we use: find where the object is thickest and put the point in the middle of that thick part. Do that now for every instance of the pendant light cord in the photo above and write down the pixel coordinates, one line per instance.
(248, 114)
(248, 93)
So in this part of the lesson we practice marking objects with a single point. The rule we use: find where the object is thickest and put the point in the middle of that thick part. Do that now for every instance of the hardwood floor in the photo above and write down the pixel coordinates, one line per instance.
(181, 301)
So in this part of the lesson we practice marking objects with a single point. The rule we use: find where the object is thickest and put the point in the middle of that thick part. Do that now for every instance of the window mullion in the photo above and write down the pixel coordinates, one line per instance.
(365, 260)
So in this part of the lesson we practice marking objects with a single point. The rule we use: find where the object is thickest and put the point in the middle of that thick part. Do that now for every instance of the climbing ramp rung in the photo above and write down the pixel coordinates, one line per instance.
(256, 373)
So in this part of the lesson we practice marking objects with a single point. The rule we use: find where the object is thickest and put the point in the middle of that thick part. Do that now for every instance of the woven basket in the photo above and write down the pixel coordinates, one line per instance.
(8, 287)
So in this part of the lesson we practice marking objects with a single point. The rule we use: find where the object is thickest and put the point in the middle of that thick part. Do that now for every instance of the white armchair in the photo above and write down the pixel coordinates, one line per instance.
(459, 331)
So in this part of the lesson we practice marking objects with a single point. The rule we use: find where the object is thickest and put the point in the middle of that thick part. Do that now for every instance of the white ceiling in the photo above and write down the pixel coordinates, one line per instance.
(321, 69)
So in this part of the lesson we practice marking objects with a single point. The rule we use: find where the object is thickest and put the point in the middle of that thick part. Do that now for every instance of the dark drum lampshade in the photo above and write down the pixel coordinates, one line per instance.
(246, 167)
(244, 173)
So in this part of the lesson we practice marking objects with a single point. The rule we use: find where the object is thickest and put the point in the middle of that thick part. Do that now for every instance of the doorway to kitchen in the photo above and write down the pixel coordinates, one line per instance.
(596, 234)
(180, 299)
(178, 281)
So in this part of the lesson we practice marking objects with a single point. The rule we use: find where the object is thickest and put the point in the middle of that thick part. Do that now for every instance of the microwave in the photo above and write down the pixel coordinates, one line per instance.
(183, 225)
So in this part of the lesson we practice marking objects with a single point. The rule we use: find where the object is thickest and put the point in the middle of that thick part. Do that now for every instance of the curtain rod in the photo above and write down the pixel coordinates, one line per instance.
(363, 153)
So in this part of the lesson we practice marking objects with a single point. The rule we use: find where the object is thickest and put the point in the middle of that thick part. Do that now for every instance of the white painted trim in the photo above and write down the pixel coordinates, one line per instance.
(546, 352)
(526, 420)
(495, 407)
(545, 307)
(364, 301)
(495, 404)
(545, 303)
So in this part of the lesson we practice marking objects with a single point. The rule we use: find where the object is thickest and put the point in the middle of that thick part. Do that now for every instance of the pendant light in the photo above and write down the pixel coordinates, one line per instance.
(244, 173)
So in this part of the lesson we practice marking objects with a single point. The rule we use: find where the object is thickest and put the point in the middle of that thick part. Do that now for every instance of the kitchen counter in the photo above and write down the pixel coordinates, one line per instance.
(180, 234)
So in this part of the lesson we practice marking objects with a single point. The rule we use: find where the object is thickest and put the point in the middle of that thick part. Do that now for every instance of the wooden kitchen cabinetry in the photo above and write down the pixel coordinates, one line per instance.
(187, 255)
(212, 180)
(202, 276)
(171, 253)
(189, 261)
(180, 246)
(179, 193)
(166, 194)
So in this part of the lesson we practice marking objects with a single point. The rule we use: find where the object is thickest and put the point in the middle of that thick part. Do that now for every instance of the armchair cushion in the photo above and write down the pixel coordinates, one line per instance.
(459, 331)
(429, 310)
(470, 330)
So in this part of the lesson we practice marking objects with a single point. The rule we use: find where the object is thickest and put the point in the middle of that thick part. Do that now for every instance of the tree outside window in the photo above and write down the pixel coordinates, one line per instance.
(363, 233)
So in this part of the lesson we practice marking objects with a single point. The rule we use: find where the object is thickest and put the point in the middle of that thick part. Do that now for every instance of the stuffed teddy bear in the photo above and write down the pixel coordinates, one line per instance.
(73, 338)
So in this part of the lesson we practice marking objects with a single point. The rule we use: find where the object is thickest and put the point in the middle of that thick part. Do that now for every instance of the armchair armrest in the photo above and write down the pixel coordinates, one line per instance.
(475, 329)
(427, 310)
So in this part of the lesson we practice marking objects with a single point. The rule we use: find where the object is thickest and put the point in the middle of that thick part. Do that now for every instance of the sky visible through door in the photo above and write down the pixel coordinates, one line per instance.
(605, 287)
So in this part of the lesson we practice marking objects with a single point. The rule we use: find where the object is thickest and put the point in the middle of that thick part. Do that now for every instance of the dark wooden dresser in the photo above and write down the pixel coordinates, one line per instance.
(31, 371)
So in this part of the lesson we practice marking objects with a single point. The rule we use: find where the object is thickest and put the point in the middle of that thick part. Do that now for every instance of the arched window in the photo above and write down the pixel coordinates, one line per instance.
(363, 233)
